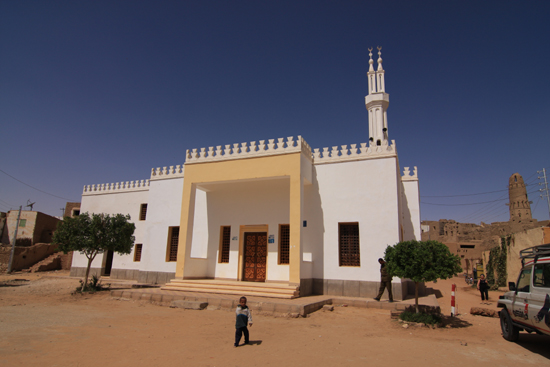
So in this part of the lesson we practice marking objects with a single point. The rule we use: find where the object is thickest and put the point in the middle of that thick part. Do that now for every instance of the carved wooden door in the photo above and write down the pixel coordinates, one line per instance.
(255, 256)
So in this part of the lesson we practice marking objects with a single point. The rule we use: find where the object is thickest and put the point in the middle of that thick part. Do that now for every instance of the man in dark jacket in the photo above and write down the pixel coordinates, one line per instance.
(385, 281)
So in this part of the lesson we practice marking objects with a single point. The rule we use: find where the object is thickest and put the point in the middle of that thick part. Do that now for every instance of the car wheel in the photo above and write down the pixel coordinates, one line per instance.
(509, 331)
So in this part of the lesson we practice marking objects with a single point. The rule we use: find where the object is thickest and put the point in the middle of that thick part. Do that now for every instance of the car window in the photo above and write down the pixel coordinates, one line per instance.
(524, 280)
(542, 276)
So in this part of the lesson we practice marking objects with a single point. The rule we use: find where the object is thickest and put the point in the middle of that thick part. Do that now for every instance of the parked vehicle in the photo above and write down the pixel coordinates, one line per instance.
(526, 307)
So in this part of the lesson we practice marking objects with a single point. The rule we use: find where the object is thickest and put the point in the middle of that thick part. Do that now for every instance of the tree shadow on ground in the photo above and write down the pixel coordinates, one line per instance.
(453, 322)
(436, 292)
(14, 283)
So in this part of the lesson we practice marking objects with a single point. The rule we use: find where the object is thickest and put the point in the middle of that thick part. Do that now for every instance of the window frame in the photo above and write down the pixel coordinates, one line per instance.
(143, 212)
(225, 245)
(170, 243)
(281, 251)
(341, 254)
(137, 253)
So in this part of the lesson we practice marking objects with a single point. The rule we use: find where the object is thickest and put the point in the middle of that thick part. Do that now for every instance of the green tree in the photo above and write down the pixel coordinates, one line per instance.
(95, 234)
(421, 261)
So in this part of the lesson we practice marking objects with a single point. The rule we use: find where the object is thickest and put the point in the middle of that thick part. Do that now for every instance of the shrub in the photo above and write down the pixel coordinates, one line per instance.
(424, 318)
(94, 285)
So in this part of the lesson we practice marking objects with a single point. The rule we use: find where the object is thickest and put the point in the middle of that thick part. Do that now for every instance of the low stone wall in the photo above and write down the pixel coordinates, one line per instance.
(81, 272)
(25, 257)
(155, 277)
(147, 277)
(358, 288)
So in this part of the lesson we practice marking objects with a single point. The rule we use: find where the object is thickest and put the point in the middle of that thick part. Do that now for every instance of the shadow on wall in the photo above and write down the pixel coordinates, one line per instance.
(313, 239)
(407, 225)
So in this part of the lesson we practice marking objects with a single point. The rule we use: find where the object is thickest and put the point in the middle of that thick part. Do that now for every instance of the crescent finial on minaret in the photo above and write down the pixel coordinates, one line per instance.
(370, 60)
(379, 58)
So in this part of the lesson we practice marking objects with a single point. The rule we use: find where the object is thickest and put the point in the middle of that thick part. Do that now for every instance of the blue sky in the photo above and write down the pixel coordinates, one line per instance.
(97, 92)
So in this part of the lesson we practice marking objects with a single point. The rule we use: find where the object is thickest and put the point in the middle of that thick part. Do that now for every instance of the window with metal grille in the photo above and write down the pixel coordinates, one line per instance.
(143, 212)
(174, 235)
(137, 252)
(348, 234)
(224, 244)
(284, 244)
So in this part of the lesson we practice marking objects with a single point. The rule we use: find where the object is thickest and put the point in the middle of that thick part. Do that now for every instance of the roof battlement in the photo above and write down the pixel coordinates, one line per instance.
(249, 150)
(343, 153)
(166, 172)
(408, 176)
(110, 188)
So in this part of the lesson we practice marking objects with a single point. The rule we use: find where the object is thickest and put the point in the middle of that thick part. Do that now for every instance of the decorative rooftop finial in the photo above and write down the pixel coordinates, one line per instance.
(380, 58)
(370, 60)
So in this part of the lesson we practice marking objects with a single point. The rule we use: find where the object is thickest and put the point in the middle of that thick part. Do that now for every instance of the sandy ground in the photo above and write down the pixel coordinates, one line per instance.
(42, 324)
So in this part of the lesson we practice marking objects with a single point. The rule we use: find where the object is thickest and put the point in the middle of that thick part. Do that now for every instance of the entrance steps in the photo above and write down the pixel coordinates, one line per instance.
(259, 289)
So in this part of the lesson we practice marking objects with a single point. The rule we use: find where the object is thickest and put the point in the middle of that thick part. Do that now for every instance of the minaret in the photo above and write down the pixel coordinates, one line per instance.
(377, 103)
(520, 208)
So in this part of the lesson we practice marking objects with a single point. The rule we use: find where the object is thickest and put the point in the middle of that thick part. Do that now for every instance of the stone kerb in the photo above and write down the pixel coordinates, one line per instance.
(408, 176)
(343, 153)
(166, 172)
(109, 188)
(249, 150)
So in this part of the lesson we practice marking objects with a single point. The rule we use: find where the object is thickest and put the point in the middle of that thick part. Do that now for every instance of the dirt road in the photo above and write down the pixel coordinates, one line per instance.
(42, 324)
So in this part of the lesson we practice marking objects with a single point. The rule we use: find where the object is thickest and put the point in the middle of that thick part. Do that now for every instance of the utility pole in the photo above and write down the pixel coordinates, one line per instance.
(10, 264)
(544, 191)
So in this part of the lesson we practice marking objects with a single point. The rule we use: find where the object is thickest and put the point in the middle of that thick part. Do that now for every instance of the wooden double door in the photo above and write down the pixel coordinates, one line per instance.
(255, 256)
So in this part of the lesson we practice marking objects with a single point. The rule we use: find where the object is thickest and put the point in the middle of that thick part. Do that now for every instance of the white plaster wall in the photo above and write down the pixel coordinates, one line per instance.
(199, 248)
(411, 211)
(163, 211)
(115, 203)
(313, 233)
(261, 202)
(366, 192)
(197, 264)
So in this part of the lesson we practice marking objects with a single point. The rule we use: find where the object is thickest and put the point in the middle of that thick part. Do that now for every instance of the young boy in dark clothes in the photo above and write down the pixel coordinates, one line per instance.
(244, 316)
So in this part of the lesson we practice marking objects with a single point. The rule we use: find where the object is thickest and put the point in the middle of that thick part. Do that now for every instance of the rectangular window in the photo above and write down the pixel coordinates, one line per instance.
(284, 244)
(143, 212)
(225, 237)
(137, 252)
(348, 234)
(542, 275)
(173, 238)
(22, 222)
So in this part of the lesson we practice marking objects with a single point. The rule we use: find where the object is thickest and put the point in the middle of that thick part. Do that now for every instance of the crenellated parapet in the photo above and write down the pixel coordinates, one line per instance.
(408, 176)
(248, 150)
(109, 188)
(354, 152)
(166, 172)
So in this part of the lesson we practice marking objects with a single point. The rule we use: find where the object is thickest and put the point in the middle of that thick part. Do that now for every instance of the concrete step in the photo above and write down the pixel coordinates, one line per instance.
(273, 290)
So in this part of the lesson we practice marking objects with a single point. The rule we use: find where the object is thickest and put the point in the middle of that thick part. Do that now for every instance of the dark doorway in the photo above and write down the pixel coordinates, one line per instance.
(255, 256)
(108, 263)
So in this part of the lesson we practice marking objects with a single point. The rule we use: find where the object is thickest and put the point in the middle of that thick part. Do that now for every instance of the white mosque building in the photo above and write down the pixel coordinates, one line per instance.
(269, 213)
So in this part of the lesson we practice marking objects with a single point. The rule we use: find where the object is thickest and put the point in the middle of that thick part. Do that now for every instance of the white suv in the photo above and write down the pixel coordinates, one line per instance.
(527, 305)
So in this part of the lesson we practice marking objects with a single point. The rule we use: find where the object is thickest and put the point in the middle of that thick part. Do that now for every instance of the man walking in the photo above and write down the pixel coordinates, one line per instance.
(385, 281)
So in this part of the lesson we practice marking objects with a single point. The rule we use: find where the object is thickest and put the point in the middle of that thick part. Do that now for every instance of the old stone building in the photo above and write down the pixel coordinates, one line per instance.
(469, 240)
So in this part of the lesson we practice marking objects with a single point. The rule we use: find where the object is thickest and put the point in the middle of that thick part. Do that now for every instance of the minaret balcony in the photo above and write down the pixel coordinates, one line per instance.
(377, 99)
